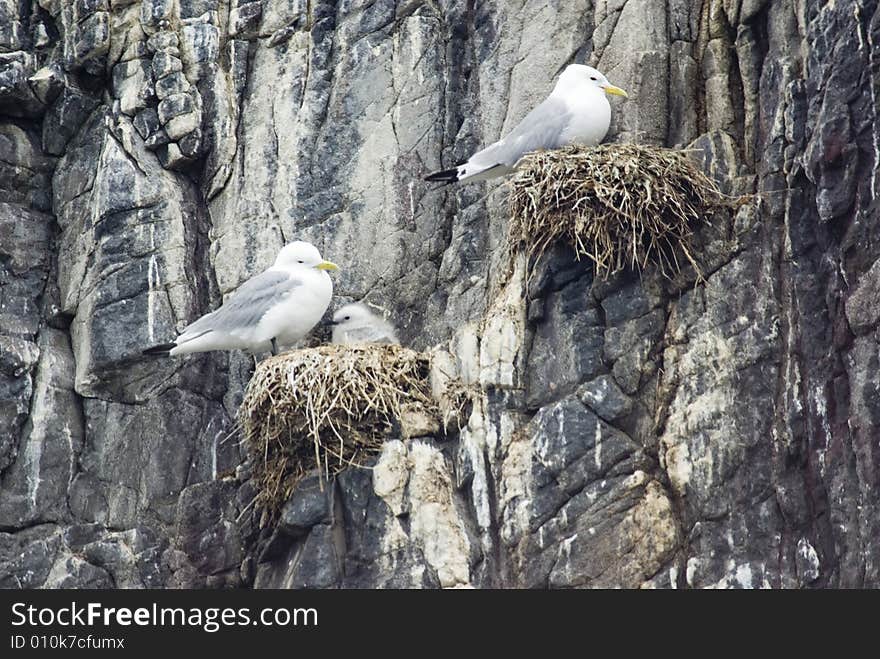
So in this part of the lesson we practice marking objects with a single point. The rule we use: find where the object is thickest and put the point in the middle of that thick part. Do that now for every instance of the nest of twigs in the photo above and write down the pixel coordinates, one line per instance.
(620, 205)
(329, 408)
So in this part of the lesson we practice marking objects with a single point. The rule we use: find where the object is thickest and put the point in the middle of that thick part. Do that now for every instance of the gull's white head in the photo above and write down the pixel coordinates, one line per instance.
(353, 315)
(300, 254)
(579, 76)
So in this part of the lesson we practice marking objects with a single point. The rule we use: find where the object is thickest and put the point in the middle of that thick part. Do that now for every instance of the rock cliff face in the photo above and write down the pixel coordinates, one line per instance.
(156, 153)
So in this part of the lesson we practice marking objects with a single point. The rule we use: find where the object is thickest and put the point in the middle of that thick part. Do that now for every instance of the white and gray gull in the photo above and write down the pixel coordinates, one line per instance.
(576, 112)
(355, 323)
(277, 307)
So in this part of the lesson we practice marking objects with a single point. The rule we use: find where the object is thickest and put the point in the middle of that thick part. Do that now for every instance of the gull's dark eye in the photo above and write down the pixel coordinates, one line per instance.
(347, 318)
(593, 78)
(300, 261)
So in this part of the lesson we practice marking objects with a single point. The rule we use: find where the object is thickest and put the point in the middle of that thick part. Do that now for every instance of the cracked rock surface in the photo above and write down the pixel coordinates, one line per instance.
(633, 432)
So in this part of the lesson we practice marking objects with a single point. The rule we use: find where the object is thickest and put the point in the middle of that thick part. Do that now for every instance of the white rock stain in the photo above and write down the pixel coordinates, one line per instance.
(822, 413)
(32, 455)
(863, 40)
(153, 281)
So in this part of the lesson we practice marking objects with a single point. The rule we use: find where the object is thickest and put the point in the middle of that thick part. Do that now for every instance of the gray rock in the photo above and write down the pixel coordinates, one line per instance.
(311, 563)
(170, 154)
(163, 41)
(132, 85)
(146, 122)
(807, 562)
(718, 154)
(80, 556)
(191, 143)
(206, 528)
(16, 96)
(200, 45)
(34, 489)
(157, 15)
(156, 140)
(12, 31)
(244, 20)
(629, 347)
(175, 106)
(570, 319)
(25, 239)
(48, 82)
(591, 498)
(863, 304)
(683, 123)
(27, 556)
(165, 64)
(180, 125)
(629, 301)
(134, 50)
(281, 35)
(16, 394)
(309, 505)
(65, 117)
(73, 572)
(604, 397)
(174, 83)
(86, 36)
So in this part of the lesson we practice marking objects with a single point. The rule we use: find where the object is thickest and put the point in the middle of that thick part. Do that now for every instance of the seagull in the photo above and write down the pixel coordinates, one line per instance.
(278, 306)
(355, 323)
(576, 112)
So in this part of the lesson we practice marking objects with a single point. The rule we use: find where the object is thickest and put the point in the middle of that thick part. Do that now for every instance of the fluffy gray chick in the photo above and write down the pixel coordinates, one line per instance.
(355, 323)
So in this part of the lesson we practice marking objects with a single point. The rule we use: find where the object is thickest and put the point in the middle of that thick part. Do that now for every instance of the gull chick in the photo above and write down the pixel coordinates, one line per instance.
(576, 112)
(278, 306)
(355, 323)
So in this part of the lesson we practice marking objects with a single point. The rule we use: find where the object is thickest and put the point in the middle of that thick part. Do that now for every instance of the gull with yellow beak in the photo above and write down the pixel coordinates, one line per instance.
(576, 112)
(277, 307)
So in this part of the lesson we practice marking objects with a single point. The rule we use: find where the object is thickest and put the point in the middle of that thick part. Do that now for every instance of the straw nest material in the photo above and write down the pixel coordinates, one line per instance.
(621, 205)
(330, 407)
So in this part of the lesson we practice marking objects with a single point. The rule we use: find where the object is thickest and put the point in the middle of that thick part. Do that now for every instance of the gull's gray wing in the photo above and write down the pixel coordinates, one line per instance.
(246, 306)
(378, 331)
(541, 128)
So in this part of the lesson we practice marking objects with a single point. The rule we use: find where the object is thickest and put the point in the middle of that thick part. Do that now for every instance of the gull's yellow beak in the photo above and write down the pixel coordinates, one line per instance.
(327, 265)
(615, 91)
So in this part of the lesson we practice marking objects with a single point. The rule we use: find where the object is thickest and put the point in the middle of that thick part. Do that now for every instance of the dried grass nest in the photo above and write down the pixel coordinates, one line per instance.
(620, 205)
(331, 407)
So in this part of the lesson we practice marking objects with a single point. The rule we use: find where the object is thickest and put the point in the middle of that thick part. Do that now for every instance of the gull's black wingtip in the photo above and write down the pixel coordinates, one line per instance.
(162, 349)
(445, 176)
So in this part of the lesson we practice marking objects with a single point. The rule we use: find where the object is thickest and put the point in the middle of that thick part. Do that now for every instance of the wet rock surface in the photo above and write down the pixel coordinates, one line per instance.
(632, 432)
